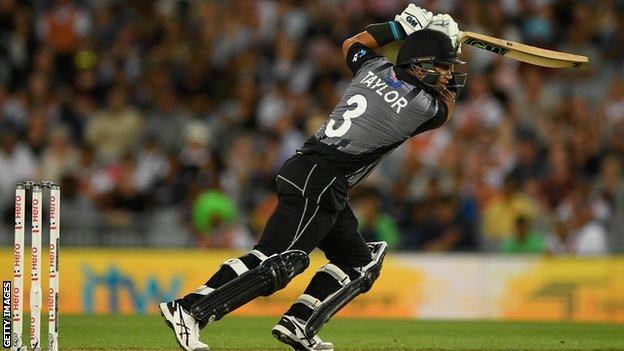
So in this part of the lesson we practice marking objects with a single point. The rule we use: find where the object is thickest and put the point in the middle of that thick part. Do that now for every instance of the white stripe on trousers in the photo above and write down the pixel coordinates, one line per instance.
(291, 183)
(307, 178)
(298, 233)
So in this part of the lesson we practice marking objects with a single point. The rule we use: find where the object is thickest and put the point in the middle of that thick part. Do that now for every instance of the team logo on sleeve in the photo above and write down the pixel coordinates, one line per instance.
(359, 54)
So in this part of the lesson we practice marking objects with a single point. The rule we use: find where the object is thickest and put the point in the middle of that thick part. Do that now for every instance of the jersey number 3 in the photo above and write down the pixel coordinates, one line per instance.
(360, 107)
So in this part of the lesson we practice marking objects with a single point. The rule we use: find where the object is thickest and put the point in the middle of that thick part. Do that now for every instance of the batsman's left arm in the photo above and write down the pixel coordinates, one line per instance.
(412, 19)
(363, 38)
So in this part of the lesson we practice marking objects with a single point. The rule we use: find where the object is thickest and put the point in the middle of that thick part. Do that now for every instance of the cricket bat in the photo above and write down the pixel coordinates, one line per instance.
(522, 52)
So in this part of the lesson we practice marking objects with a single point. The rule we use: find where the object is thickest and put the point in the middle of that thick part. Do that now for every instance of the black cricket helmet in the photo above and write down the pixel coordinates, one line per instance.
(427, 48)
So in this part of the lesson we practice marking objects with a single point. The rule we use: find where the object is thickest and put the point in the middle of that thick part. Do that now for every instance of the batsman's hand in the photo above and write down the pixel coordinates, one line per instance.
(445, 24)
(413, 18)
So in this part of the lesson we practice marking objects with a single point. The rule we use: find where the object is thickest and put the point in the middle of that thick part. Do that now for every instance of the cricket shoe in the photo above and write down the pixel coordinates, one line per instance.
(185, 327)
(291, 331)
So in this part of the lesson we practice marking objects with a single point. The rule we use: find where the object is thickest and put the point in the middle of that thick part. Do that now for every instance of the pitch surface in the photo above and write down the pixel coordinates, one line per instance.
(240, 333)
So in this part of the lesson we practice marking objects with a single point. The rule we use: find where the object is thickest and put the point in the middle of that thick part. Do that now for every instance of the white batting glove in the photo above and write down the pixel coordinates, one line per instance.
(445, 24)
(413, 18)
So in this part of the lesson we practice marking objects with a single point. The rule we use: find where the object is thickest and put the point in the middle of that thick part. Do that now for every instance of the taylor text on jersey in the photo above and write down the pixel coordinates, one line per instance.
(379, 85)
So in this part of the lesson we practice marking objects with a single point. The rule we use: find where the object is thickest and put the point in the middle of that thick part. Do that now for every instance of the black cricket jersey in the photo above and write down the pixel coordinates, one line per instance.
(382, 108)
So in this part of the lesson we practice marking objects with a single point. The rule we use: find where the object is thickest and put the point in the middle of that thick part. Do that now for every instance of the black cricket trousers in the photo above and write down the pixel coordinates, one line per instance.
(312, 211)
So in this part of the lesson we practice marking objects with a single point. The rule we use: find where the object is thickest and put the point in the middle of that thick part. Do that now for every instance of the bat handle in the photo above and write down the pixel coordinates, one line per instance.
(462, 36)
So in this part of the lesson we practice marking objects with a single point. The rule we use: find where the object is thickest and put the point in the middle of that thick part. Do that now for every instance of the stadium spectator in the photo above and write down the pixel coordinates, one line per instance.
(16, 162)
(501, 213)
(524, 240)
(413, 226)
(443, 229)
(528, 164)
(214, 217)
(559, 181)
(583, 234)
(64, 26)
(590, 235)
(60, 157)
(373, 223)
(167, 120)
(113, 131)
(608, 194)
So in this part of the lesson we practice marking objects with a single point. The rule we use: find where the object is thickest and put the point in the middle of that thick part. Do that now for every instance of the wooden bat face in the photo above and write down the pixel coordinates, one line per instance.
(522, 52)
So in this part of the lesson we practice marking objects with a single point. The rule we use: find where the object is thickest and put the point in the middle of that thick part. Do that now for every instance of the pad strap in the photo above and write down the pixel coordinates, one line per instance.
(337, 273)
(237, 265)
(262, 257)
(204, 290)
(309, 300)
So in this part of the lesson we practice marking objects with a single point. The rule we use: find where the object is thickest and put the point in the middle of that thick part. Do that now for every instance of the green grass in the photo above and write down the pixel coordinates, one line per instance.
(238, 333)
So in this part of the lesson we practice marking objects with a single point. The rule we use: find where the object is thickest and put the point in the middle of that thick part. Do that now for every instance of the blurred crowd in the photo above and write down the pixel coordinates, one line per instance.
(174, 116)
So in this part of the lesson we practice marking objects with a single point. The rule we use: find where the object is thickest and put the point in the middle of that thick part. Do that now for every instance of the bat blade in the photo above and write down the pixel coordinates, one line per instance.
(522, 52)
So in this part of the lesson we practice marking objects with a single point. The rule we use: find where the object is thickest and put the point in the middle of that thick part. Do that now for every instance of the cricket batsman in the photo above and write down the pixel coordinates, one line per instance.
(384, 105)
